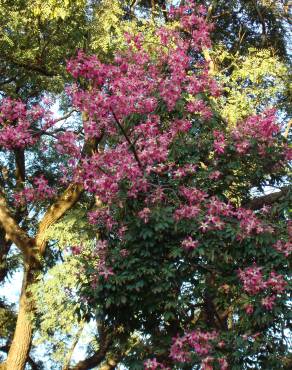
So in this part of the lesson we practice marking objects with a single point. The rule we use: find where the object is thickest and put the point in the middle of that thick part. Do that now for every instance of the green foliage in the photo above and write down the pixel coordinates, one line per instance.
(37, 37)
(251, 82)
(7, 319)
(35, 40)
(53, 9)
(73, 229)
(58, 307)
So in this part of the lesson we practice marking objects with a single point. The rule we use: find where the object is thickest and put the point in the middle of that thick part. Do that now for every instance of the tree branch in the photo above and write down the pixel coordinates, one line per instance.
(56, 211)
(286, 133)
(31, 67)
(72, 348)
(15, 233)
(261, 18)
(96, 358)
(67, 115)
(267, 200)
(132, 147)
(65, 202)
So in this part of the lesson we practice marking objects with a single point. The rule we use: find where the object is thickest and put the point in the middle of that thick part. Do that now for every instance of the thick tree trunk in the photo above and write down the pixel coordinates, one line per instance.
(20, 347)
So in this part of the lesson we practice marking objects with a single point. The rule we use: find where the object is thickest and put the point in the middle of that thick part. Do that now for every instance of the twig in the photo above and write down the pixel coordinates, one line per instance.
(132, 147)
(65, 116)
(286, 133)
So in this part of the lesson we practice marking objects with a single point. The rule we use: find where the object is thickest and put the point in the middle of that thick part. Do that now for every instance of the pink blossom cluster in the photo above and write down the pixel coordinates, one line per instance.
(41, 190)
(153, 364)
(67, 144)
(220, 143)
(197, 341)
(215, 210)
(191, 18)
(186, 212)
(249, 223)
(252, 279)
(101, 251)
(183, 171)
(217, 207)
(16, 123)
(253, 284)
(216, 213)
(102, 173)
(189, 243)
(199, 106)
(207, 363)
(103, 217)
(276, 283)
(136, 84)
(144, 214)
(268, 302)
(283, 247)
(262, 128)
(193, 195)
(215, 175)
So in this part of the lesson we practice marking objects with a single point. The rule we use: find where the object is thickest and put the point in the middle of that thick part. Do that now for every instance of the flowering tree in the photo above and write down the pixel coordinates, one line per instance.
(188, 251)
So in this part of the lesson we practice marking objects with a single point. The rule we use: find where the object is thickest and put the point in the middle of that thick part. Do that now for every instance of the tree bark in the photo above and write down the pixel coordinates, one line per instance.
(21, 342)
(4, 250)
(267, 200)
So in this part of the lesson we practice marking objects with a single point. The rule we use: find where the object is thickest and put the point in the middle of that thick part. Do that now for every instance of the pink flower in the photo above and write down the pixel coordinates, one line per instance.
(189, 243)
(76, 249)
(197, 341)
(186, 212)
(193, 195)
(219, 142)
(153, 365)
(283, 247)
(144, 214)
(269, 302)
(204, 226)
(242, 147)
(276, 283)
(252, 279)
(199, 107)
(124, 252)
(249, 309)
(249, 223)
(215, 175)
(207, 363)
(262, 127)
(106, 272)
(67, 144)
(38, 192)
(223, 363)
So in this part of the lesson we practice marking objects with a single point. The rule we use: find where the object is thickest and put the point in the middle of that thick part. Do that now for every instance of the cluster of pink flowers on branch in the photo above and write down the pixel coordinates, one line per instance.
(200, 343)
(197, 342)
(125, 92)
(254, 283)
(16, 123)
(40, 190)
(283, 247)
(153, 364)
(262, 128)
